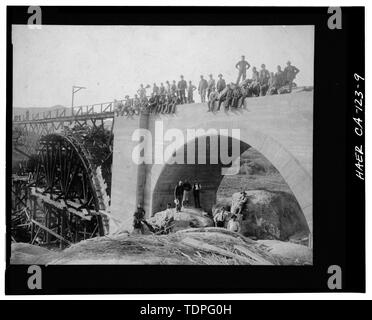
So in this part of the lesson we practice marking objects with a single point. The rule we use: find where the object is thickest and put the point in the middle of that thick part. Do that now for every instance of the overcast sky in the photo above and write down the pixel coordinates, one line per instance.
(111, 61)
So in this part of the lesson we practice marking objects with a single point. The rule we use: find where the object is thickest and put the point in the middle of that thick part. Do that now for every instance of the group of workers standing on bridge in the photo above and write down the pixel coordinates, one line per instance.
(166, 97)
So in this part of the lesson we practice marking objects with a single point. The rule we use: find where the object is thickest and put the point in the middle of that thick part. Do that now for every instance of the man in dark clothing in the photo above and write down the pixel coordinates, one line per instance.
(182, 85)
(290, 73)
(203, 85)
(178, 195)
(138, 218)
(196, 191)
(161, 104)
(264, 77)
(152, 103)
(236, 95)
(221, 84)
(242, 66)
(190, 92)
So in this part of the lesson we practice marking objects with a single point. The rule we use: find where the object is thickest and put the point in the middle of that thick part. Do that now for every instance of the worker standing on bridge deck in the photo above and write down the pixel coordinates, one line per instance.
(279, 77)
(190, 92)
(290, 73)
(254, 87)
(162, 90)
(242, 66)
(138, 218)
(155, 89)
(264, 77)
(211, 85)
(168, 87)
(182, 85)
(221, 84)
(178, 195)
(141, 91)
(203, 86)
(174, 88)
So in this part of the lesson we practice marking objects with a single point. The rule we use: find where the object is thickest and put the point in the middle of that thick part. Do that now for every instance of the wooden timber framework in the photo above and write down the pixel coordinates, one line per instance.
(63, 198)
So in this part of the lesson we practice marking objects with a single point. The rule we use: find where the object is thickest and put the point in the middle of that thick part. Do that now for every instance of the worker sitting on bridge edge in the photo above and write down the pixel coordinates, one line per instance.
(212, 99)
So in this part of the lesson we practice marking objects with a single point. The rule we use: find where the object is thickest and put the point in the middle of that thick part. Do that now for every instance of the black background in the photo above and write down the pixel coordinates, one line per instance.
(338, 196)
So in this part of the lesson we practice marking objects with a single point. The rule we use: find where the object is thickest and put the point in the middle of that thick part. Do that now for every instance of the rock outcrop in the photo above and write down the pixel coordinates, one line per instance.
(270, 215)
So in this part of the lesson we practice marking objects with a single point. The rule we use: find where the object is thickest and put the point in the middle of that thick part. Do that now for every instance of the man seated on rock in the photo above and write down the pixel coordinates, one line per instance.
(243, 198)
(220, 218)
(233, 224)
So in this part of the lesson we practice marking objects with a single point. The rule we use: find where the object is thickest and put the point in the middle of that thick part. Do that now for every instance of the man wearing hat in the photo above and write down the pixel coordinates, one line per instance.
(221, 84)
(138, 220)
(182, 85)
(290, 73)
(203, 86)
(242, 66)
(211, 85)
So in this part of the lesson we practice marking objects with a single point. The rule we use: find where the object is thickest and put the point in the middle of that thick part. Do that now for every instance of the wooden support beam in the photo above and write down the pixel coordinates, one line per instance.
(51, 232)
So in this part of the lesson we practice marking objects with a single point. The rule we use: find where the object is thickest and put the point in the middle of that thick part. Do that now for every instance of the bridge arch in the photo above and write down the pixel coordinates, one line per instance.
(294, 174)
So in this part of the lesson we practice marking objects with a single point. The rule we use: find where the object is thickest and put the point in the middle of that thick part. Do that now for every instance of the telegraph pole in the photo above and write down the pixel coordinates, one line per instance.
(74, 90)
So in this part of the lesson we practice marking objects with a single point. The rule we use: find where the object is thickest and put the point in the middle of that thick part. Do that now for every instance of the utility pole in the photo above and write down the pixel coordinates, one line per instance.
(74, 90)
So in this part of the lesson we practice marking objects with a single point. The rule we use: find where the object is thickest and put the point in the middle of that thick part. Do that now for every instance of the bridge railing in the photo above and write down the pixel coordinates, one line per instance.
(84, 110)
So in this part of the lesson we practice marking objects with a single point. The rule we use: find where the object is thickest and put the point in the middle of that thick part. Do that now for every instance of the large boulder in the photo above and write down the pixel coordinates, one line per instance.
(187, 218)
(270, 215)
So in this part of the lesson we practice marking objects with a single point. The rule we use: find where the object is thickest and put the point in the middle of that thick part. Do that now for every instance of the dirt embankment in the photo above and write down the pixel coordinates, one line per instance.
(199, 246)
